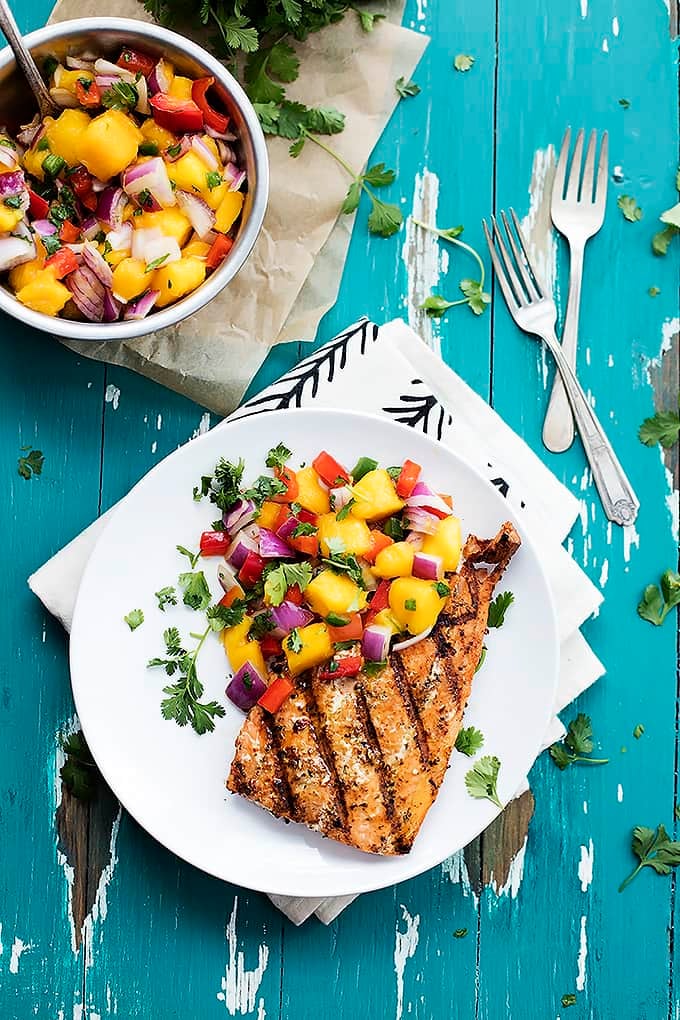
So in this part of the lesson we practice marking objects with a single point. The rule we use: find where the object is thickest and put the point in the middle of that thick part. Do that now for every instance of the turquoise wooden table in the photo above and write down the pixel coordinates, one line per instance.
(96, 920)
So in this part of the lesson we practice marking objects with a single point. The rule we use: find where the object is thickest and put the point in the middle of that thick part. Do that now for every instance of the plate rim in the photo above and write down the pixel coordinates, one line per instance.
(372, 882)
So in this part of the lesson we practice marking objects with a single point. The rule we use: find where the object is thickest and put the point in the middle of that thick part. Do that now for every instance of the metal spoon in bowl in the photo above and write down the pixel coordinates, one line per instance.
(46, 105)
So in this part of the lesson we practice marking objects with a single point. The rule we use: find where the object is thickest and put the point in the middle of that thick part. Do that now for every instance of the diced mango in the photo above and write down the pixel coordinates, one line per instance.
(212, 145)
(385, 619)
(44, 294)
(311, 495)
(446, 542)
(180, 87)
(375, 496)
(331, 592)
(349, 535)
(160, 136)
(239, 649)
(228, 211)
(395, 560)
(68, 80)
(25, 273)
(65, 136)
(109, 144)
(188, 173)
(415, 604)
(171, 223)
(177, 279)
(197, 248)
(268, 514)
(114, 258)
(316, 648)
(130, 279)
(32, 161)
(9, 218)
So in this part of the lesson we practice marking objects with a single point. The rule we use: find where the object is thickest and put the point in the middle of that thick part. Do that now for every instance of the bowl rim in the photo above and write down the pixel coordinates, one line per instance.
(102, 332)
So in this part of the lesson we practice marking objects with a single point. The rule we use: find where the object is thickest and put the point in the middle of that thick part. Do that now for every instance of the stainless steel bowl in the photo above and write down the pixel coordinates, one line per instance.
(107, 36)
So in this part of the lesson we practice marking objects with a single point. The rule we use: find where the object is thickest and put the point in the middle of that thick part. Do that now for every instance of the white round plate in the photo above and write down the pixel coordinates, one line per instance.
(170, 779)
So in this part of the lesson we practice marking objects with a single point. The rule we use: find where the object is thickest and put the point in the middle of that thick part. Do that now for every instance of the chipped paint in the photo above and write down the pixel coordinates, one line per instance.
(422, 256)
(112, 396)
(585, 865)
(630, 539)
(515, 874)
(240, 986)
(584, 8)
(405, 945)
(615, 27)
(605, 45)
(604, 573)
(585, 807)
(19, 947)
(455, 869)
(203, 426)
(159, 422)
(619, 793)
(610, 361)
(582, 954)
(154, 446)
(100, 906)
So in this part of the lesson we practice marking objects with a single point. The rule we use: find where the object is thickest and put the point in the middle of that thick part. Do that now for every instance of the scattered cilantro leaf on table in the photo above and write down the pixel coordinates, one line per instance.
(30, 462)
(662, 240)
(469, 741)
(658, 601)
(655, 850)
(638, 731)
(406, 88)
(629, 207)
(499, 607)
(192, 557)
(134, 619)
(653, 291)
(166, 597)
(481, 781)
(474, 295)
(625, 103)
(577, 746)
(569, 999)
(460, 933)
(435, 305)
(463, 62)
(79, 772)
(663, 427)
(196, 590)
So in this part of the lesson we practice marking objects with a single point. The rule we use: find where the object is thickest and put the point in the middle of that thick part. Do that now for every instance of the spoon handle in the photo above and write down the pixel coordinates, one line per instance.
(46, 104)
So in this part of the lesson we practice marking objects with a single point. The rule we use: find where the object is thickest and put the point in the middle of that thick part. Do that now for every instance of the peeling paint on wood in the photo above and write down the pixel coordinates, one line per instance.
(422, 258)
(240, 985)
(405, 945)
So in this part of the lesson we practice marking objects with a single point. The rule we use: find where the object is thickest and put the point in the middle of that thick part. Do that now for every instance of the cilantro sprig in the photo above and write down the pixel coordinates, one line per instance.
(469, 741)
(474, 295)
(658, 601)
(577, 746)
(134, 619)
(630, 209)
(482, 779)
(182, 702)
(662, 427)
(499, 607)
(406, 88)
(655, 850)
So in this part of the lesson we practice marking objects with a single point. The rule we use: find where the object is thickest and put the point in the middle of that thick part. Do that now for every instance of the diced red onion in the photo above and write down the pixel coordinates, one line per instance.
(110, 207)
(421, 520)
(142, 105)
(105, 81)
(89, 228)
(423, 498)
(237, 182)
(246, 687)
(226, 575)
(88, 293)
(142, 239)
(411, 641)
(199, 212)
(239, 549)
(181, 149)
(165, 248)
(375, 643)
(430, 568)
(64, 98)
(272, 547)
(242, 512)
(204, 152)
(140, 308)
(77, 250)
(112, 307)
(44, 228)
(340, 497)
(32, 132)
(251, 530)
(121, 239)
(151, 176)
(226, 135)
(102, 66)
(15, 250)
(8, 156)
(97, 263)
(227, 154)
(288, 616)
(159, 79)
(12, 184)
(288, 527)
(78, 64)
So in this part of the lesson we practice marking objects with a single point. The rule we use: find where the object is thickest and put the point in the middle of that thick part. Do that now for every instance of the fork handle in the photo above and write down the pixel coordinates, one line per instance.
(558, 426)
(618, 498)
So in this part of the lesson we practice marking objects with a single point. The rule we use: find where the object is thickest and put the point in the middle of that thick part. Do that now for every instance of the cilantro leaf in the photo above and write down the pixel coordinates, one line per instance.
(367, 19)
(294, 641)
(475, 298)
(30, 462)
(655, 850)
(406, 88)
(345, 563)
(653, 291)
(662, 239)
(499, 608)
(463, 62)
(435, 305)
(283, 577)
(451, 233)
(460, 933)
(625, 103)
(181, 703)
(385, 218)
(481, 781)
(469, 741)
(577, 745)
(264, 488)
(192, 557)
(378, 176)
(134, 619)
(638, 731)
(629, 207)
(344, 512)
(262, 624)
(656, 603)
(663, 427)
(569, 999)
(351, 200)
(304, 529)
(325, 120)
(166, 597)
(277, 456)
(79, 772)
(220, 616)
(222, 487)
(196, 590)
(121, 95)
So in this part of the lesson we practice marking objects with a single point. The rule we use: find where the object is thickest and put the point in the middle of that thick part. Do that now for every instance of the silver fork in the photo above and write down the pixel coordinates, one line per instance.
(534, 311)
(578, 214)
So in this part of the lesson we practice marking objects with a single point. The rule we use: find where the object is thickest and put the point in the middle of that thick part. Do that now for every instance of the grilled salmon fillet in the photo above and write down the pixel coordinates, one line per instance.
(361, 759)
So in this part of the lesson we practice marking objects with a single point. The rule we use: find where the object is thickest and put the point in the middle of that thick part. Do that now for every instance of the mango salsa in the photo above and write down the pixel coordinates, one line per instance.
(239, 649)
(348, 535)
(415, 603)
(395, 561)
(44, 294)
(311, 495)
(332, 592)
(446, 542)
(375, 496)
(315, 648)
(177, 279)
(109, 144)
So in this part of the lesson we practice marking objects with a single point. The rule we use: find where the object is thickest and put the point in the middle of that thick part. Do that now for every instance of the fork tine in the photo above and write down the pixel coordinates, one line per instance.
(575, 172)
(561, 169)
(520, 295)
(602, 172)
(528, 282)
(525, 252)
(510, 298)
(589, 169)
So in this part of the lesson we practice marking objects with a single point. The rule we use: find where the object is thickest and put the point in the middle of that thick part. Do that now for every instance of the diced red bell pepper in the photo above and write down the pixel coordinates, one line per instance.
(213, 119)
(252, 570)
(352, 631)
(379, 541)
(81, 182)
(380, 600)
(38, 206)
(276, 694)
(308, 545)
(220, 248)
(349, 665)
(270, 646)
(69, 233)
(176, 115)
(447, 499)
(329, 471)
(87, 93)
(307, 517)
(289, 479)
(437, 511)
(408, 476)
(231, 596)
(294, 595)
(134, 61)
(63, 262)
(214, 543)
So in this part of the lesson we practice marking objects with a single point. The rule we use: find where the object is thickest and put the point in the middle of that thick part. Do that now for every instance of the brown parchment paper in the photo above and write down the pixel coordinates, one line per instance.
(293, 273)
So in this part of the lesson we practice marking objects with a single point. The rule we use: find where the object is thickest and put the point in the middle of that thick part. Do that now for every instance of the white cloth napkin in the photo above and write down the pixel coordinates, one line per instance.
(389, 369)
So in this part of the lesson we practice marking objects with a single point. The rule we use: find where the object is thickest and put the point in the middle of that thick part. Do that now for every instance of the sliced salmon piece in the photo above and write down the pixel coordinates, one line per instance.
(361, 760)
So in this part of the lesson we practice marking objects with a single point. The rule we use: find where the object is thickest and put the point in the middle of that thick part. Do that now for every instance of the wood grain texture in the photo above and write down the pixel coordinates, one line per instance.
(155, 939)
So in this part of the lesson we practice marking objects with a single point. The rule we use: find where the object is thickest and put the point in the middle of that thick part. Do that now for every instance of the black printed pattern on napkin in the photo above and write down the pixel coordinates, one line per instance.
(304, 379)
(421, 411)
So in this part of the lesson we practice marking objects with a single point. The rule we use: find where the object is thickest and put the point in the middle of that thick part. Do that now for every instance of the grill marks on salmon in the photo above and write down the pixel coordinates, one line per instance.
(361, 759)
